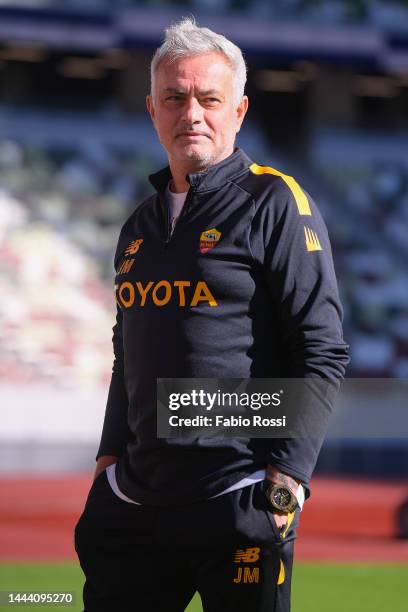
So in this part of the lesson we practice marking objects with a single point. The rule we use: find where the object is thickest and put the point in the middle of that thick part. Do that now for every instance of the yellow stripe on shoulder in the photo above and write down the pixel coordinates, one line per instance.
(302, 202)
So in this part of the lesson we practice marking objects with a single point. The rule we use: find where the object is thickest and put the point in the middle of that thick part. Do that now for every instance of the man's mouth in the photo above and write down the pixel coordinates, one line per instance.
(192, 135)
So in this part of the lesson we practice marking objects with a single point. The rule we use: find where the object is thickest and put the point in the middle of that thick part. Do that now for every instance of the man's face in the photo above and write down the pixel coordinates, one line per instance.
(193, 110)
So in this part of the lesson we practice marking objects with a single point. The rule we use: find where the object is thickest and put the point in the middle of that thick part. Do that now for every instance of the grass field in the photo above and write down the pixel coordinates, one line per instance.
(316, 587)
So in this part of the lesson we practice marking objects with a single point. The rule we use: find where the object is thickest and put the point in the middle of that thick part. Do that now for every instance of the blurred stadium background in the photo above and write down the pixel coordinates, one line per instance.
(328, 88)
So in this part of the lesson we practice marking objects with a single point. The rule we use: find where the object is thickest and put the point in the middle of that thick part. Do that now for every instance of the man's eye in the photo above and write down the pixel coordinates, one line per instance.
(174, 98)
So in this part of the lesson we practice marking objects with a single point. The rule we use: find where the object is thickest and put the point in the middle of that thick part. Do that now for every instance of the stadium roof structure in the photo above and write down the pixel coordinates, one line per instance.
(142, 26)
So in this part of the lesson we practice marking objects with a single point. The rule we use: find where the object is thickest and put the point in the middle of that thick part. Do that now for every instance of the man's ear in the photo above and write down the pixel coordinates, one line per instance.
(241, 111)
(150, 107)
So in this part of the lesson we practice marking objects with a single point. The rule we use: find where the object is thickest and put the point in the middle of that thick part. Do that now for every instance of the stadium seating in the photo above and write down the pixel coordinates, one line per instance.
(62, 203)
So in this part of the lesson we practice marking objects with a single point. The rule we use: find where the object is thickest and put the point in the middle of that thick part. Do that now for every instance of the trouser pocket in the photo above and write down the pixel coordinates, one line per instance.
(280, 535)
(252, 520)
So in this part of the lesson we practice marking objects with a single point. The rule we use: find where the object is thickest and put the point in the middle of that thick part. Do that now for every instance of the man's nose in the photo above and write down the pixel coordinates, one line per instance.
(192, 111)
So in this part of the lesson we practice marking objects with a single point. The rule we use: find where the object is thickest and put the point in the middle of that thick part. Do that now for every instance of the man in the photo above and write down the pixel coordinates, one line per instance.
(225, 272)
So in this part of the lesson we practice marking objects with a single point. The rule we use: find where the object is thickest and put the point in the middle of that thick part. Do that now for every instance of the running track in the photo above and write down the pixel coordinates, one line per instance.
(37, 517)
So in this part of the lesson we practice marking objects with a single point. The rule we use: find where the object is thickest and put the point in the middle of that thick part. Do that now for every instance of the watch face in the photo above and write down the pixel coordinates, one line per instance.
(282, 497)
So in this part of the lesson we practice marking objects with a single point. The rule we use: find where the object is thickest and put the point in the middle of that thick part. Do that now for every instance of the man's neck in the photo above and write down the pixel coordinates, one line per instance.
(179, 184)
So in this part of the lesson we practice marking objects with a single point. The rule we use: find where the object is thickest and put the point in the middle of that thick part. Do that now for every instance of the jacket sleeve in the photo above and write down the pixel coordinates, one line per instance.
(115, 432)
(295, 248)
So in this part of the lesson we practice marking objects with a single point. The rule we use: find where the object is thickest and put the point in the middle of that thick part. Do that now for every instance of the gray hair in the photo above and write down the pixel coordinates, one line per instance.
(186, 39)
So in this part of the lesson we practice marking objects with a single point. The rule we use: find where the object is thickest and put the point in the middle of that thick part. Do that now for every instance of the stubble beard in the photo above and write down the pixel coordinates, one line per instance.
(202, 160)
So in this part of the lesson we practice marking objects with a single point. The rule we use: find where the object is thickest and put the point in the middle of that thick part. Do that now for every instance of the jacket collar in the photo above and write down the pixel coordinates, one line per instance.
(214, 178)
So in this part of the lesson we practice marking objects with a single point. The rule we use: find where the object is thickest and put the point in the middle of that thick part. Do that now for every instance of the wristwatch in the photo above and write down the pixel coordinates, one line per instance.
(281, 498)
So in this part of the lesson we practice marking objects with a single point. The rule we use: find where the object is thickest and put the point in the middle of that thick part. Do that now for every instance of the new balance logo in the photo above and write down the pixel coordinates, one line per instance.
(312, 241)
(134, 247)
(126, 266)
(247, 555)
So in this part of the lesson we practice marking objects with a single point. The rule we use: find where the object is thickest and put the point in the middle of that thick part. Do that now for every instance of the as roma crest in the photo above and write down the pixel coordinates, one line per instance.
(209, 239)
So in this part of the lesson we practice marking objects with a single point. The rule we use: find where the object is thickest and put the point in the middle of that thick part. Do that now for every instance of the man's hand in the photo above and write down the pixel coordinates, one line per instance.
(277, 477)
(280, 519)
(103, 463)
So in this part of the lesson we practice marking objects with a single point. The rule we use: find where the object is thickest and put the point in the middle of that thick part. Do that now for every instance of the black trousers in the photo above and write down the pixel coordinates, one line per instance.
(152, 559)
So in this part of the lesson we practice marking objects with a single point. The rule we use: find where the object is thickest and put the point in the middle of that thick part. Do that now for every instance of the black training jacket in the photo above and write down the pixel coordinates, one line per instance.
(244, 287)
